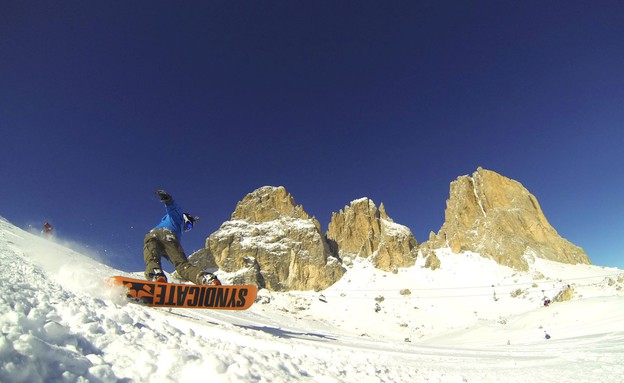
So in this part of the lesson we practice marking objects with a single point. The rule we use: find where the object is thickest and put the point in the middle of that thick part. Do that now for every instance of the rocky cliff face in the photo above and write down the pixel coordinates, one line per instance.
(363, 231)
(272, 242)
(268, 204)
(498, 218)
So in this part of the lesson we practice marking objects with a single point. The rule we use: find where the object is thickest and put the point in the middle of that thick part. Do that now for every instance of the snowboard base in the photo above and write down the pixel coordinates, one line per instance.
(165, 294)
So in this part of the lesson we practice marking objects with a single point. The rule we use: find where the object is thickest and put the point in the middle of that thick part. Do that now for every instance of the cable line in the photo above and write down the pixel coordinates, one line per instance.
(342, 293)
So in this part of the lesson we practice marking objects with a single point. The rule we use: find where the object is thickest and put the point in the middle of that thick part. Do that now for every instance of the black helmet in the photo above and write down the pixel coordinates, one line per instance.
(189, 221)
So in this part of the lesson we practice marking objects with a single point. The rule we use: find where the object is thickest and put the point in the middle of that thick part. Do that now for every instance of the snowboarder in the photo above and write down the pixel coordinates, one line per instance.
(164, 241)
(546, 302)
(47, 229)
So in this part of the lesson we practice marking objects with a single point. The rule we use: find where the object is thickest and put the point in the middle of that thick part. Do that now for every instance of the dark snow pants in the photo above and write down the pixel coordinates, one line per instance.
(161, 243)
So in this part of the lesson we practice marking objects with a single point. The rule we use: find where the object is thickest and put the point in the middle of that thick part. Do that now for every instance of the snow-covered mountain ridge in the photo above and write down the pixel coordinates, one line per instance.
(472, 320)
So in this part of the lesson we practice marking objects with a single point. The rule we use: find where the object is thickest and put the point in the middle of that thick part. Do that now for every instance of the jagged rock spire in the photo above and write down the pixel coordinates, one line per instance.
(361, 230)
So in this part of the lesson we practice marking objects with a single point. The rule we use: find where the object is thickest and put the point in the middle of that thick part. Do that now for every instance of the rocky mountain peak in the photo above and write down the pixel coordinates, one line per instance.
(266, 204)
(273, 243)
(361, 230)
(497, 217)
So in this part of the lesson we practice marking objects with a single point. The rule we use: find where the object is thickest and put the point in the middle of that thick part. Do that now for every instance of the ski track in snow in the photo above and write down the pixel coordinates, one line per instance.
(60, 322)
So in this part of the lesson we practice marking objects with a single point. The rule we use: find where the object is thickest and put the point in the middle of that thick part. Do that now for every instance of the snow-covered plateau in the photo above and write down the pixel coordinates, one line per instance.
(472, 320)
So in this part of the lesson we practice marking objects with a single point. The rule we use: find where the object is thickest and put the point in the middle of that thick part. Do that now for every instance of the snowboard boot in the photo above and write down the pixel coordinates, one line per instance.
(159, 276)
(210, 279)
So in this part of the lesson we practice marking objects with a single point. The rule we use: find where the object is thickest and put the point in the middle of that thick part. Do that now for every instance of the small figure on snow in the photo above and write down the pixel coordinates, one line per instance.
(546, 302)
(47, 229)
(164, 241)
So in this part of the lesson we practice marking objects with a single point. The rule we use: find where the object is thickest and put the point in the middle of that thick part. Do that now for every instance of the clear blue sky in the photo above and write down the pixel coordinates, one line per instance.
(102, 102)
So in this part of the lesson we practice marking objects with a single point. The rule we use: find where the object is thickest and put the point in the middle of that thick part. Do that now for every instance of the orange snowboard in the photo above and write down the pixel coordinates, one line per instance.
(163, 294)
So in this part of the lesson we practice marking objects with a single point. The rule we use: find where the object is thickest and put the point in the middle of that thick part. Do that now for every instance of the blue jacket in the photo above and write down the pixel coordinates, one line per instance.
(173, 221)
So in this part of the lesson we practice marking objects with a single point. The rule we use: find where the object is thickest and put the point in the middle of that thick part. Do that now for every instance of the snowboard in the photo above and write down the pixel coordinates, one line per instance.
(165, 294)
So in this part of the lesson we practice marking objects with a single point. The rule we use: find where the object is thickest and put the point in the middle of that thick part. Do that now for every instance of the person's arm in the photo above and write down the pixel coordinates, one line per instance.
(164, 197)
(173, 210)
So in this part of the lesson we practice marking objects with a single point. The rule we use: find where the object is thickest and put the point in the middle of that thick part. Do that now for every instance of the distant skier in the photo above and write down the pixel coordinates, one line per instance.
(164, 241)
(47, 229)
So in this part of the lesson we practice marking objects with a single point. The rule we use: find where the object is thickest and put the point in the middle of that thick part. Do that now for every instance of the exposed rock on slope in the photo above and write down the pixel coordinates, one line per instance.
(362, 230)
(272, 242)
(498, 218)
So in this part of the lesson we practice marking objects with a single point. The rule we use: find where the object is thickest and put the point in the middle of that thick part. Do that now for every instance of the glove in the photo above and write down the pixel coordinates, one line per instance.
(164, 197)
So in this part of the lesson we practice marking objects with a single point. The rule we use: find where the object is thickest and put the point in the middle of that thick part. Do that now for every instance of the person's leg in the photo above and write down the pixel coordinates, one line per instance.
(176, 255)
(153, 250)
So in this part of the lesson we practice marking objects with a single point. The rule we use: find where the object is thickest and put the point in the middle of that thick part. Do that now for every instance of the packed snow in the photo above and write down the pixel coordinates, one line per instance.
(470, 321)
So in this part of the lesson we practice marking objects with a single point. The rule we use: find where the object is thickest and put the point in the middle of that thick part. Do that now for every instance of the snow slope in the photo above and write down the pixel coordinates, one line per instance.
(470, 321)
